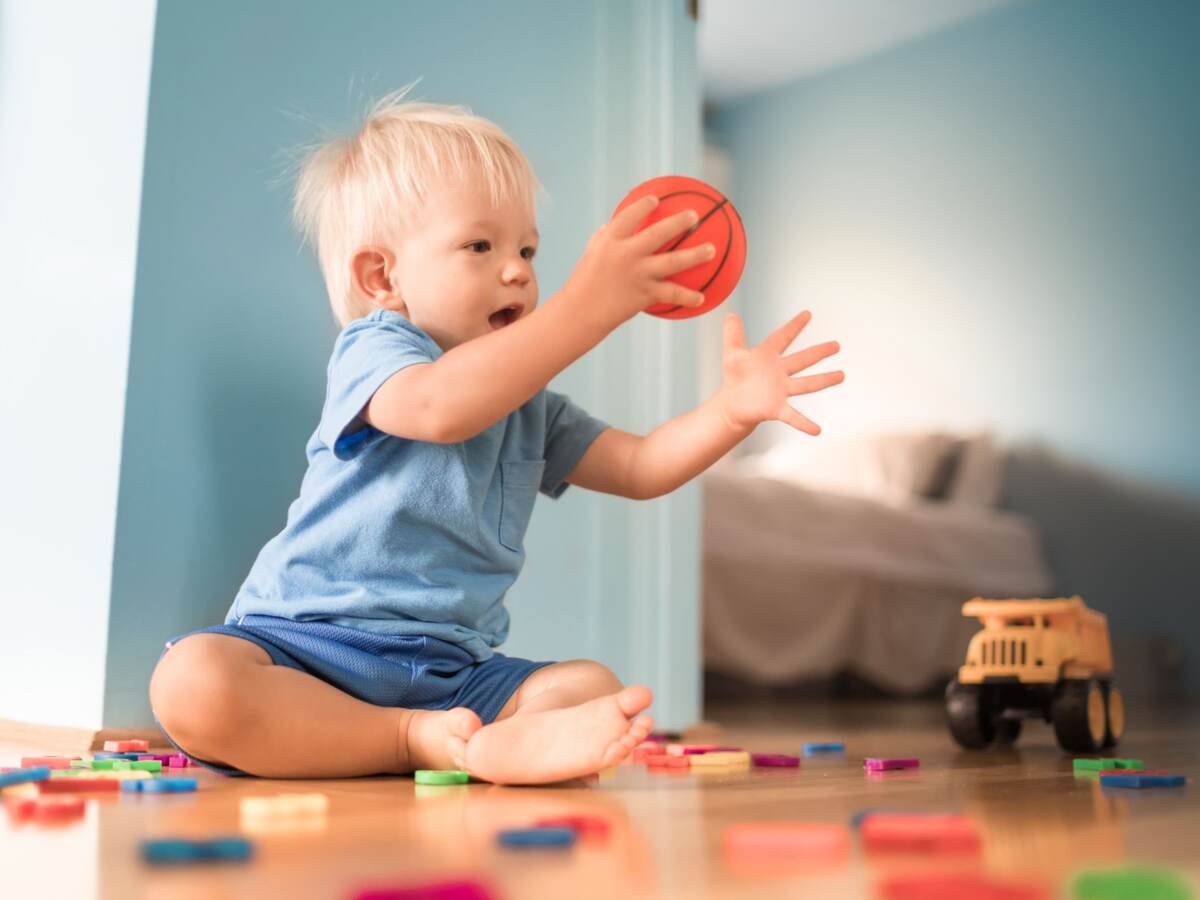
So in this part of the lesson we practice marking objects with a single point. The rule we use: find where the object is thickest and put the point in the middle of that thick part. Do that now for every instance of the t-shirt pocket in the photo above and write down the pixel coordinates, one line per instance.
(519, 482)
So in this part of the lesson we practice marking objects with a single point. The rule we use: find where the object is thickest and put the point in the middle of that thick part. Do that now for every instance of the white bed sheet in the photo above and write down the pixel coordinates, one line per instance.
(801, 583)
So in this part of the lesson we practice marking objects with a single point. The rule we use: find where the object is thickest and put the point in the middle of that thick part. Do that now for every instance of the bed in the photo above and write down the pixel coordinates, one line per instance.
(858, 560)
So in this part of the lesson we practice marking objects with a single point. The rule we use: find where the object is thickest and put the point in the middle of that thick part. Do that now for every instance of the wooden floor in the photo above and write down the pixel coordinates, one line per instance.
(1039, 822)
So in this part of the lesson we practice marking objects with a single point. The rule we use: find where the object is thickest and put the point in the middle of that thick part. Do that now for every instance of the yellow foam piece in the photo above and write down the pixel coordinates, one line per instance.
(283, 806)
(721, 758)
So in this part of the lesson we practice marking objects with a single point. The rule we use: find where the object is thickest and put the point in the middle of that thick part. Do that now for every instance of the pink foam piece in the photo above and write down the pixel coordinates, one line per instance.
(161, 757)
(777, 760)
(177, 761)
(442, 890)
(879, 764)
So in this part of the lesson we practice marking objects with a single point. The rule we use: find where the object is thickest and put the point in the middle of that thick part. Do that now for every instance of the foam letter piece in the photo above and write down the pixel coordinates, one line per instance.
(789, 840)
(881, 764)
(229, 849)
(537, 837)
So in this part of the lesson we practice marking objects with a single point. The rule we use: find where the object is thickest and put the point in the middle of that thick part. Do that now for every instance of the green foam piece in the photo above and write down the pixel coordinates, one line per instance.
(441, 776)
(102, 764)
(1130, 883)
(81, 764)
(146, 765)
(1095, 765)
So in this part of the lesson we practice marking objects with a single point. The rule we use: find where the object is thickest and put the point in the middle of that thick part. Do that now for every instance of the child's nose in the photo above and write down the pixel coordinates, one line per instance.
(517, 273)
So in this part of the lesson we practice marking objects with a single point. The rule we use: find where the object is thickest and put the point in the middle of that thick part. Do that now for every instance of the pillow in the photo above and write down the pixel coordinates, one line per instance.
(979, 477)
(898, 466)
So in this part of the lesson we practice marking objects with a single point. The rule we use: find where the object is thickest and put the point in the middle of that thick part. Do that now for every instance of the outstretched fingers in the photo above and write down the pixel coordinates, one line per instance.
(809, 356)
(733, 333)
(790, 416)
(782, 336)
(809, 384)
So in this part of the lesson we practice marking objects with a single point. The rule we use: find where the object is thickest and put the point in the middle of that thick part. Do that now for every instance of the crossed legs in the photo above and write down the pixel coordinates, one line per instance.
(223, 700)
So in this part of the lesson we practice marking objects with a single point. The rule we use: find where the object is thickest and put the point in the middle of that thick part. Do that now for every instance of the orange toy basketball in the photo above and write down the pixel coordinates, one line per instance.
(719, 225)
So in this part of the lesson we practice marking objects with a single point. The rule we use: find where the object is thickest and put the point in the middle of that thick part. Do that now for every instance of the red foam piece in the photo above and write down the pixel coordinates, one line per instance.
(78, 785)
(50, 762)
(914, 833)
(584, 826)
(949, 886)
(131, 746)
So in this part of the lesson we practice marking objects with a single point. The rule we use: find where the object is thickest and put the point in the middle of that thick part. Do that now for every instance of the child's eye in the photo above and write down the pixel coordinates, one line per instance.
(486, 245)
(529, 252)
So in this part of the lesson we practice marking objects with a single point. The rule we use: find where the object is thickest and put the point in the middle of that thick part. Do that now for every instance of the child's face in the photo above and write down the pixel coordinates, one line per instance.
(464, 269)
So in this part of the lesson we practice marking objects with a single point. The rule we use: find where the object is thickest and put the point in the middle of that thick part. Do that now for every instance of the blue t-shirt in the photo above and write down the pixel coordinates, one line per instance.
(402, 536)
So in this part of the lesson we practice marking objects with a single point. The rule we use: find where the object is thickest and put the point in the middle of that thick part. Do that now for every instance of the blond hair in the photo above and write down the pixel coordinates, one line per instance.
(361, 189)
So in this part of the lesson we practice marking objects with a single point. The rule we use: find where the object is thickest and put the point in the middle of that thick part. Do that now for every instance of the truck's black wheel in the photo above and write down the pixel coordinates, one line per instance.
(1077, 711)
(1114, 708)
(1008, 730)
(968, 717)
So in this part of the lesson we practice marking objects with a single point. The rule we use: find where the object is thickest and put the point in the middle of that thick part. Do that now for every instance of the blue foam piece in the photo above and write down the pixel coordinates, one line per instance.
(24, 776)
(175, 785)
(537, 837)
(108, 754)
(231, 849)
(823, 747)
(1141, 781)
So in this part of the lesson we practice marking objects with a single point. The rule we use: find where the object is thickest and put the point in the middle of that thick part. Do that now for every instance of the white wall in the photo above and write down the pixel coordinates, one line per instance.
(74, 82)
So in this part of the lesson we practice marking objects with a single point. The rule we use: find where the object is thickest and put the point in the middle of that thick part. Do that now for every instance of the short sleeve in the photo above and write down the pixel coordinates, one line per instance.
(569, 432)
(367, 353)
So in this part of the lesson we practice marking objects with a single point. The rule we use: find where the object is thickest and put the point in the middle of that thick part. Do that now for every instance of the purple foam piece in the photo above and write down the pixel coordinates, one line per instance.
(777, 760)
(879, 764)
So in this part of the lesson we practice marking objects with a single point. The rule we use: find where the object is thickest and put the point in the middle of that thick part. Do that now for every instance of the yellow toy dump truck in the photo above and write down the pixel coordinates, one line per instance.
(1047, 659)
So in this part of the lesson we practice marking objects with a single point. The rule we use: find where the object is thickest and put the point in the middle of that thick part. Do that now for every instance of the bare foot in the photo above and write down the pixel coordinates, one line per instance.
(556, 744)
(437, 739)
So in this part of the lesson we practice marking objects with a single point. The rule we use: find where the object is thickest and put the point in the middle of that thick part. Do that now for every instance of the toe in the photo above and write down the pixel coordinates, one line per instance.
(632, 700)
(465, 722)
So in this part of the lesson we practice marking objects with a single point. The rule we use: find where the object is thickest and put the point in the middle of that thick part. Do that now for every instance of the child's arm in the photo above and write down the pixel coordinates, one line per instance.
(479, 382)
(755, 389)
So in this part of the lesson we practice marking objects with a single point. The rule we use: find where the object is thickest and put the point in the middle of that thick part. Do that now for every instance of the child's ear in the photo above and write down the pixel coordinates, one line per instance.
(371, 277)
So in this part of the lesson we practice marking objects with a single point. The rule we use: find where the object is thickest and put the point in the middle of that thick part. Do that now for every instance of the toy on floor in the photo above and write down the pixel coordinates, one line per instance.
(1048, 659)
(226, 849)
(719, 225)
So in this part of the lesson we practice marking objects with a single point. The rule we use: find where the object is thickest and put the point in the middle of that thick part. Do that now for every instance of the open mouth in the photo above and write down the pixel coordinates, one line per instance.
(506, 316)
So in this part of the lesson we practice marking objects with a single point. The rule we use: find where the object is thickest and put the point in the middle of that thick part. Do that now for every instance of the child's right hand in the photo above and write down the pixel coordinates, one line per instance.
(620, 274)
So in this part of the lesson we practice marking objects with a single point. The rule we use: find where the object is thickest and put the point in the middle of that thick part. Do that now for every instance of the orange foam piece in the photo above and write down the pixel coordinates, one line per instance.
(907, 832)
(791, 839)
(126, 746)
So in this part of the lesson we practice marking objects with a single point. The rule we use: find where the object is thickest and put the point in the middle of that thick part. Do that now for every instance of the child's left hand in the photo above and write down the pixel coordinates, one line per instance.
(758, 382)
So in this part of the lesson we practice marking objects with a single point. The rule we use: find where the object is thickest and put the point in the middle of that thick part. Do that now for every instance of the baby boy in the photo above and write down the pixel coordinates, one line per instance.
(363, 639)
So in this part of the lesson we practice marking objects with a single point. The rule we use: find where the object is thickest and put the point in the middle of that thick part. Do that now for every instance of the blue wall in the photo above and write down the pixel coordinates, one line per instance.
(1002, 224)
(232, 330)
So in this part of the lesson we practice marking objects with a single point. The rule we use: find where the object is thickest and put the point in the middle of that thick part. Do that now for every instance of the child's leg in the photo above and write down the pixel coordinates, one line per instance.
(223, 700)
(566, 720)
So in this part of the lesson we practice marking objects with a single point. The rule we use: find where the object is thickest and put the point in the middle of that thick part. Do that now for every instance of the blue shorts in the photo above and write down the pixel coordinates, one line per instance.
(411, 671)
